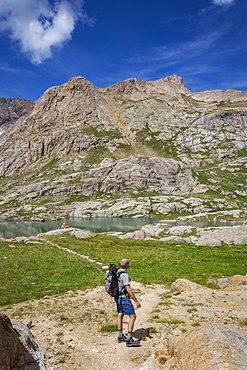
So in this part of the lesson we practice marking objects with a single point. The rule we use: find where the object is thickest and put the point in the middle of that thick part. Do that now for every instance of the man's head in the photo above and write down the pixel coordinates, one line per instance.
(124, 263)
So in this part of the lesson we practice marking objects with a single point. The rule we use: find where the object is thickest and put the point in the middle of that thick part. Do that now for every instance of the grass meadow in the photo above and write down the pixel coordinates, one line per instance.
(34, 270)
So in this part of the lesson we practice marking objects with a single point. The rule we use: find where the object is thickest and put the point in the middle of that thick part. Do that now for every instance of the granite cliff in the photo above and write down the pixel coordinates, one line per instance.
(134, 139)
(12, 109)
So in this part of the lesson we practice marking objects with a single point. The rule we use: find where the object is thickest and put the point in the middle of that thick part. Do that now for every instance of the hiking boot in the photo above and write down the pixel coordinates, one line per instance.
(121, 339)
(132, 343)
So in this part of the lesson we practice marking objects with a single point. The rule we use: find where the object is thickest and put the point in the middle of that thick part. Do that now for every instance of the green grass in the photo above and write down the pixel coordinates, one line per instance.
(196, 324)
(244, 321)
(176, 321)
(33, 271)
(109, 328)
(162, 263)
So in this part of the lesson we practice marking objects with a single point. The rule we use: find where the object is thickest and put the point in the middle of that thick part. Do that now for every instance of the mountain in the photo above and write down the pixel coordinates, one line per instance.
(133, 140)
(12, 109)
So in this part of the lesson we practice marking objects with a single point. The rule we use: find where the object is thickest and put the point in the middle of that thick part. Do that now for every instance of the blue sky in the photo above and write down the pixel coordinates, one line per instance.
(43, 43)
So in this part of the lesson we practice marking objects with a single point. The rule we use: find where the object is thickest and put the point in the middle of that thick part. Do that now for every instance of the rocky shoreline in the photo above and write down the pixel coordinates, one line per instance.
(200, 236)
(168, 232)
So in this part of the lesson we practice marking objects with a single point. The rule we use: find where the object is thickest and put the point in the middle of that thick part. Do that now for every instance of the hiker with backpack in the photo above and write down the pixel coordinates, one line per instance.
(118, 286)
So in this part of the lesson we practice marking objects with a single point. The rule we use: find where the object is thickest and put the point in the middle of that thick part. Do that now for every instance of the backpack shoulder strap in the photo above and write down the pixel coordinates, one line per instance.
(121, 272)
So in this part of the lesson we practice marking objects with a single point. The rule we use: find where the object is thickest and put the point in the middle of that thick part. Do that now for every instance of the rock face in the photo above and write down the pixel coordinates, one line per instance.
(208, 348)
(161, 174)
(148, 117)
(12, 109)
(211, 347)
(135, 136)
(18, 349)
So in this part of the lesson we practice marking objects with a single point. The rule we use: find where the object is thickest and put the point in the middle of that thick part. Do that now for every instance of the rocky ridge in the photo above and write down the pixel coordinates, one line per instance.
(12, 109)
(135, 139)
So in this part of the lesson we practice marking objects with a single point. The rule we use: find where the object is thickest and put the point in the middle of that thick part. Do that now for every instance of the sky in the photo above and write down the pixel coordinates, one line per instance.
(43, 43)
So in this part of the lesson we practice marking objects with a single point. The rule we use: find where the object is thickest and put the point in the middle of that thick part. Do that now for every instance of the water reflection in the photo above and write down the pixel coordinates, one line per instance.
(11, 229)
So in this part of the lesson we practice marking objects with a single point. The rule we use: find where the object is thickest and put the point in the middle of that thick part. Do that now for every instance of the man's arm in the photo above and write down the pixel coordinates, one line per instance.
(132, 296)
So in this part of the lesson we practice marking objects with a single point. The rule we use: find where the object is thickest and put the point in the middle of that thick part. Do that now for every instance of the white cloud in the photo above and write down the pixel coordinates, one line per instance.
(39, 25)
(182, 51)
(223, 2)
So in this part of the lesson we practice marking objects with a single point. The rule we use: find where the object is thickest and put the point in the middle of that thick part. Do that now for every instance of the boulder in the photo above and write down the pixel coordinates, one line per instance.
(180, 230)
(232, 281)
(82, 234)
(172, 238)
(125, 236)
(152, 230)
(27, 322)
(78, 233)
(206, 348)
(18, 349)
(139, 234)
(211, 347)
(208, 242)
(236, 235)
(159, 360)
(184, 284)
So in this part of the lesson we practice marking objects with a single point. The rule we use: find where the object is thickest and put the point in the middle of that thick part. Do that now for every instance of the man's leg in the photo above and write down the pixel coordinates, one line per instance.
(121, 336)
(120, 321)
(127, 308)
(132, 319)
(130, 342)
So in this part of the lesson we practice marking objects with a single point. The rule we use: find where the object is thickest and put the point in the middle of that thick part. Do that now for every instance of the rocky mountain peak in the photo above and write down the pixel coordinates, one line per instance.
(74, 104)
(136, 88)
(172, 83)
(83, 140)
(131, 86)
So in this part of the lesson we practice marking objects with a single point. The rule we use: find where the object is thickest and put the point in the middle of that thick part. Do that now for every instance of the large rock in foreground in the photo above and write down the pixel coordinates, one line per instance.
(18, 349)
(208, 348)
(211, 347)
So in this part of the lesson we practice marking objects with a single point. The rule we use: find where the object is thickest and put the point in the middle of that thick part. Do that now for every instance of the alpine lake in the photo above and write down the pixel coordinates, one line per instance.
(12, 229)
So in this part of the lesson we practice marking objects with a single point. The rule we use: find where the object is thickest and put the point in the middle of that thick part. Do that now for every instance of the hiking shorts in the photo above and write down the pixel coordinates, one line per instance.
(125, 306)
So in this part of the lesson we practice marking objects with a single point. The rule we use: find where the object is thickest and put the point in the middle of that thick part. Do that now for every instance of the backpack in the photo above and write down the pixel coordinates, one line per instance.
(111, 285)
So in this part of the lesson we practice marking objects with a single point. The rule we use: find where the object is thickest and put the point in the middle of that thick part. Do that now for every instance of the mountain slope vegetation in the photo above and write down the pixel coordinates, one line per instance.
(82, 149)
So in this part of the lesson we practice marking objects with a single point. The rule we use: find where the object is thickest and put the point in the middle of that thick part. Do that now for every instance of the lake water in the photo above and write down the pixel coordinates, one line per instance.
(12, 229)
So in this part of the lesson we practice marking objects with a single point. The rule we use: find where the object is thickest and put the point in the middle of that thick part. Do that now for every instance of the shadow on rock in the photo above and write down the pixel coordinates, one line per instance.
(18, 348)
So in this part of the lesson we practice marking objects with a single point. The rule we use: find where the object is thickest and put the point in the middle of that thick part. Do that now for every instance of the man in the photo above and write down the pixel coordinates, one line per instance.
(125, 306)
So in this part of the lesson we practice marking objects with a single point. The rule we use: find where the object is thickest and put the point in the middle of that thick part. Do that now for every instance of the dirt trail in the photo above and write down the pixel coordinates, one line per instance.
(132, 357)
(105, 352)
(68, 327)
